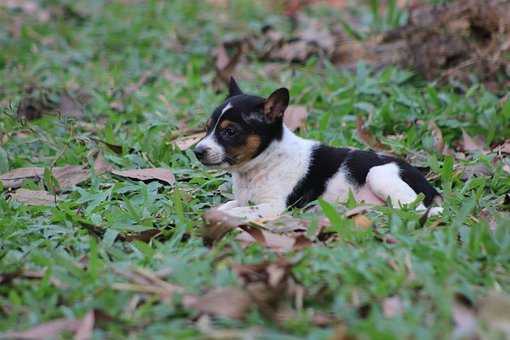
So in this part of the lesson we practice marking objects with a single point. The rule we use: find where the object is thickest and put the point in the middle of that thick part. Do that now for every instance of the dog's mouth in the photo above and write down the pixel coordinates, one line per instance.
(224, 162)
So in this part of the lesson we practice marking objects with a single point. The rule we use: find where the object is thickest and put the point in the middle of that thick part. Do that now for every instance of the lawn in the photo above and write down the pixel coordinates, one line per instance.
(116, 257)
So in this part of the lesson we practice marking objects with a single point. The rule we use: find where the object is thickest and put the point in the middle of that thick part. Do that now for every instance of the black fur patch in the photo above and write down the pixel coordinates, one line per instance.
(326, 160)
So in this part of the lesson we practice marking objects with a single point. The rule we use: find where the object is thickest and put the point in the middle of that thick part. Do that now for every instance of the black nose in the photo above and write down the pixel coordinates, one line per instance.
(200, 152)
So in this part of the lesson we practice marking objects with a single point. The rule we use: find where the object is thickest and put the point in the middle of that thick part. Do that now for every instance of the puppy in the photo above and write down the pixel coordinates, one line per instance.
(274, 169)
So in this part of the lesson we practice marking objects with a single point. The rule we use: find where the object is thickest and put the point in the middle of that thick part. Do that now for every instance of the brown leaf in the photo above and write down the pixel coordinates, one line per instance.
(101, 166)
(46, 330)
(503, 148)
(464, 317)
(358, 210)
(366, 136)
(226, 63)
(392, 307)
(33, 197)
(472, 144)
(186, 142)
(217, 224)
(14, 178)
(437, 137)
(70, 175)
(228, 302)
(295, 117)
(495, 311)
(70, 107)
(362, 221)
(149, 174)
(474, 170)
(86, 327)
(114, 147)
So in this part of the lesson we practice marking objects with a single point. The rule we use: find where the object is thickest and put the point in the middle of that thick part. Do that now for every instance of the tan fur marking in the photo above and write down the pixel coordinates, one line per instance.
(247, 151)
(225, 123)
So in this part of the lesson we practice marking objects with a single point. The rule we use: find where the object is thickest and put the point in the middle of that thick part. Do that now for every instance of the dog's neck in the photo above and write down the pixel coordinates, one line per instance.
(278, 151)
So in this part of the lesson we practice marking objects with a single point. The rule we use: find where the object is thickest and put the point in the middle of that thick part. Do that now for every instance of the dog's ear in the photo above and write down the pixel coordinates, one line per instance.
(233, 88)
(275, 104)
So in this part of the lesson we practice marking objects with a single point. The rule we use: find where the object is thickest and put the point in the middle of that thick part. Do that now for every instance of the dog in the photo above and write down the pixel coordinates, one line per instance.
(273, 169)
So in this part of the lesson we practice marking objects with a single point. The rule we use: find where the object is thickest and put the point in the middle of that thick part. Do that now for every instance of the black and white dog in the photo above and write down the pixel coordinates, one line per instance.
(273, 169)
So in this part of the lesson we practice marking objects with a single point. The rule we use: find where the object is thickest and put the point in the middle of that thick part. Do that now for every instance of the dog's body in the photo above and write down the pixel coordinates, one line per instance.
(273, 169)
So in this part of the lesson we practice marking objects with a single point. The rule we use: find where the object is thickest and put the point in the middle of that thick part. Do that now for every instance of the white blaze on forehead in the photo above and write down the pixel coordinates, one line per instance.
(215, 151)
(227, 107)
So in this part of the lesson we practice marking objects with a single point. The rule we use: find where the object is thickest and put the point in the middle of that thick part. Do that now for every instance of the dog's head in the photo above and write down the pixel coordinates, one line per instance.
(242, 127)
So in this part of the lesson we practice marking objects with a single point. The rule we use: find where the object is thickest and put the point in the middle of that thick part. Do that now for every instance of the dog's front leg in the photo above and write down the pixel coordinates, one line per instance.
(228, 205)
(259, 211)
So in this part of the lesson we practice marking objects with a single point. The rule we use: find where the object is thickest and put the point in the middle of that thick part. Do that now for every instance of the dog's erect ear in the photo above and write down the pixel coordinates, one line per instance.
(233, 88)
(275, 104)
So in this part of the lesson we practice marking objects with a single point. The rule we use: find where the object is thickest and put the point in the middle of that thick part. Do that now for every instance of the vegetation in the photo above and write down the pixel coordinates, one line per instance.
(128, 77)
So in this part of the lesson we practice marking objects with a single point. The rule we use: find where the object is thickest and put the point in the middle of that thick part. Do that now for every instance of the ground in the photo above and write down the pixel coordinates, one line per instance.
(137, 74)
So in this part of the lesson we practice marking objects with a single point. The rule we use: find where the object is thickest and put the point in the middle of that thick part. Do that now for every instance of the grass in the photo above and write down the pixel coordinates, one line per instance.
(102, 47)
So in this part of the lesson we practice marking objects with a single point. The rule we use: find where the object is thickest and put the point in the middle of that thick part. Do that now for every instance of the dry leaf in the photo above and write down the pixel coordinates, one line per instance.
(366, 136)
(149, 174)
(474, 170)
(70, 107)
(362, 221)
(392, 307)
(503, 148)
(14, 178)
(228, 302)
(86, 327)
(295, 117)
(186, 142)
(101, 166)
(437, 137)
(217, 224)
(33, 197)
(472, 144)
(495, 311)
(464, 317)
(46, 330)
(70, 175)
(225, 63)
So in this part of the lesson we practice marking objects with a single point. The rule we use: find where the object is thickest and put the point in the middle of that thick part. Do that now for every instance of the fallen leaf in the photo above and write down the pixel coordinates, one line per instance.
(101, 166)
(86, 327)
(362, 221)
(33, 197)
(228, 302)
(474, 170)
(495, 311)
(503, 148)
(226, 63)
(295, 117)
(149, 174)
(506, 168)
(472, 144)
(14, 178)
(46, 330)
(366, 136)
(437, 137)
(70, 175)
(358, 210)
(217, 224)
(114, 147)
(392, 307)
(464, 317)
(186, 142)
(70, 107)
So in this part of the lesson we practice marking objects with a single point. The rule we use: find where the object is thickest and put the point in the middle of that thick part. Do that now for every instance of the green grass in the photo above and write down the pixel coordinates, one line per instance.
(108, 47)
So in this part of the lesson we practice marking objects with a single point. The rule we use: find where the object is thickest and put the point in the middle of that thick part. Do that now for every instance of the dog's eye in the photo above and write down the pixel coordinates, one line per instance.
(228, 131)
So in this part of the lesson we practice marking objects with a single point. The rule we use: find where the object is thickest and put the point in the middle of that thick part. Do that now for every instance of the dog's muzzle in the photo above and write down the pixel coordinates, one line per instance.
(209, 152)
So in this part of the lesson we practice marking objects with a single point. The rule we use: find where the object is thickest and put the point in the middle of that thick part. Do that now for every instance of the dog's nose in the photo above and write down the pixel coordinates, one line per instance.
(200, 152)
